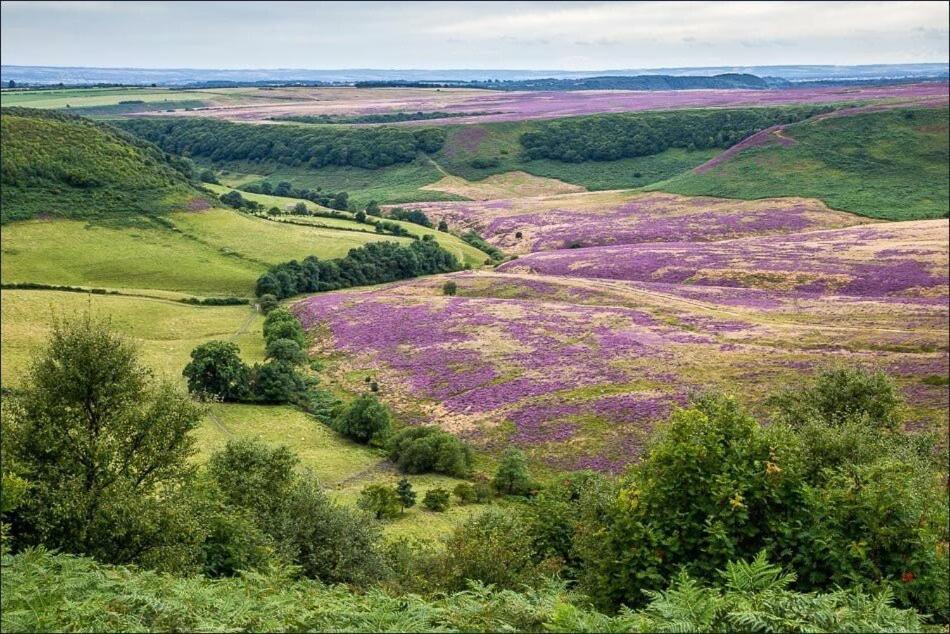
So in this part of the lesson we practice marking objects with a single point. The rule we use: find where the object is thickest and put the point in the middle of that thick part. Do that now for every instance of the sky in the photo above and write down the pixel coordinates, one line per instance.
(471, 35)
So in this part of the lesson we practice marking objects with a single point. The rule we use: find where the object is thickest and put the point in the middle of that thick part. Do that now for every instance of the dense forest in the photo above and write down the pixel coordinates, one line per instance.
(617, 136)
(295, 146)
(373, 263)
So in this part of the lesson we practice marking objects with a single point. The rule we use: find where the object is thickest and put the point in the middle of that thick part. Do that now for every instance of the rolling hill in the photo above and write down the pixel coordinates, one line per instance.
(60, 165)
(890, 164)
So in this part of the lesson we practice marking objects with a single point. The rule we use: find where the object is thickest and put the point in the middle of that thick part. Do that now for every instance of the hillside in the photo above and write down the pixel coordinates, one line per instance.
(62, 165)
(892, 164)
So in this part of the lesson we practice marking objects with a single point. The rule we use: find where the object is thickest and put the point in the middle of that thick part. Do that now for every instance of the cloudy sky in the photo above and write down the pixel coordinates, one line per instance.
(513, 35)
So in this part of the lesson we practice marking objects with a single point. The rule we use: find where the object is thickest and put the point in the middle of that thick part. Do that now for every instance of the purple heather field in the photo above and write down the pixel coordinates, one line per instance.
(576, 354)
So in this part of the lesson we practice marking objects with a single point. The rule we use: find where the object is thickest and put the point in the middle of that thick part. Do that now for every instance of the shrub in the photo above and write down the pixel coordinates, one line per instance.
(300, 209)
(407, 497)
(372, 209)
(268, 303)
(443, 226)
(483, 488)
(436, 499)
(287, 351)
(105, 450)
(491, 547)
(512, 476)
(216, 369)
(839, 394)
(449, 288)
(380, 501)
(253, 476)
(465, 493)
(360, 216)
(427, 449)
(364, 420)
(329, 542)
(277, 382)
(280, 323)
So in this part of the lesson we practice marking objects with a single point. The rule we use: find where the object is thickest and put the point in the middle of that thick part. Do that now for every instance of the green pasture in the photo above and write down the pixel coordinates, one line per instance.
(87, 97)
(893, 165)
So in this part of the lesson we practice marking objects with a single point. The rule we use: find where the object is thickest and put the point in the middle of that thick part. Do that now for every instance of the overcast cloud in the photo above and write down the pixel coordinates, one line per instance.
(514, 35)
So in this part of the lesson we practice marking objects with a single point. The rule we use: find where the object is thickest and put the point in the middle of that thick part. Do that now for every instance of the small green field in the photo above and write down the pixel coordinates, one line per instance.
(87, 97)
(893, 165)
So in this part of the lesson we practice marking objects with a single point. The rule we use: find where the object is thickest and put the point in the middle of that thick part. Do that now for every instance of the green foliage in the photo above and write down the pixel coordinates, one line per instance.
(472, 238)
(373, 263)
(465, 492)
(491, 547)
(64, 165)
(286, 351)
(877, 164)
(415, 216)
(267, 303)
(428, 449)
(380, 501)
(364, 420)
(253, 476)
(105, 450)
(407, 497)
(436, 499)
(384, 117)
(610, 137)
(449, 288)
(49, 592)
(512, 476)
(846, 504)
(288, 145)
(282, 324)
(329, 542)
(277, 382)
(216, 369)
(841, 394)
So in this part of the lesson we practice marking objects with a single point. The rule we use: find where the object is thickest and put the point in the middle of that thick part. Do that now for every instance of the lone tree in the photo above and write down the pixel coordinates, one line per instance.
(443, 226)
(365, 420)
(381, 501)
(450, 288)
(216, 369)
(512, 476)
(105, 446)
(407, 497)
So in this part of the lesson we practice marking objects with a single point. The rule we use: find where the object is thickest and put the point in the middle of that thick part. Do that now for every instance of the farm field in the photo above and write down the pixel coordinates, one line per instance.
(516, 106)
(882, 164)
(216, 252)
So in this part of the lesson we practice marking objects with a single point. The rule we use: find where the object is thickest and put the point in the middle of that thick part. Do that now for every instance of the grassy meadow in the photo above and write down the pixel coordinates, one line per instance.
(890, 164)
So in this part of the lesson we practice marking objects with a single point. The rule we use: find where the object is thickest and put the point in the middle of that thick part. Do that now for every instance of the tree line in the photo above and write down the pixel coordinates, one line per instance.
(295, 146)
(617, 136)
(373, 263)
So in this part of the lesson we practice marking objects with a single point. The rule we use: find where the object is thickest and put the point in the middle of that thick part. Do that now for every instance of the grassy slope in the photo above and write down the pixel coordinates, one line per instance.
(211, 253)
(466, 253)
(67, 166)
(85, 97)
(891, 164)
(166, 332)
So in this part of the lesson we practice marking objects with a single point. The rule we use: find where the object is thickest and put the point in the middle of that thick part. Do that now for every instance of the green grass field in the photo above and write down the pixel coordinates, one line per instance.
(88, 97)
(893, 165)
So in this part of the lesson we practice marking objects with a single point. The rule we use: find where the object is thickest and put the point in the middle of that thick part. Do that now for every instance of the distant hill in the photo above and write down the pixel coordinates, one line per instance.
(62, 165)
(610, 82)
(892, 164)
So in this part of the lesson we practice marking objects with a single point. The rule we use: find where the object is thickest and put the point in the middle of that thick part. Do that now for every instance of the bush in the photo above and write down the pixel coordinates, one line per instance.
(465, 493)
(443, 226)
(491, 547)
(277, 382)
(280, 323)
(449, 288)
(300, 209)
(216, 369)
(427, 449)
(840, 394)
(512, 476)
(436, 499)
(253, 476)
(268, 303)
(380, 501)
(364, 420)
(286, 351)
(329, 542)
